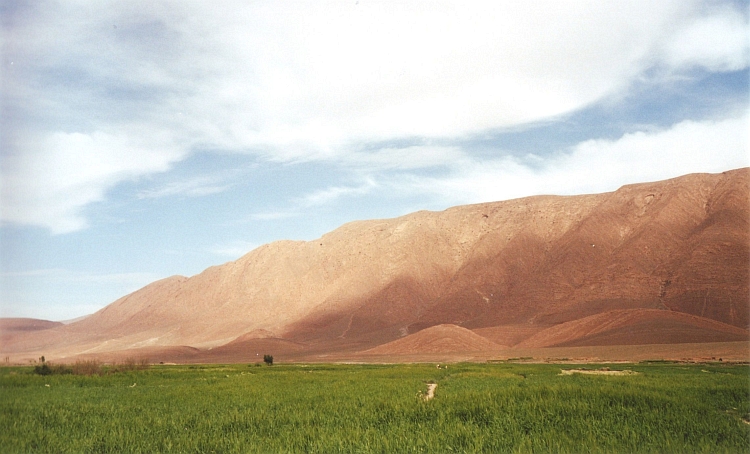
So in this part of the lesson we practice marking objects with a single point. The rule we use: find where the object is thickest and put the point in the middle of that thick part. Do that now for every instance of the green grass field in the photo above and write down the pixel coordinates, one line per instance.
(378, 408)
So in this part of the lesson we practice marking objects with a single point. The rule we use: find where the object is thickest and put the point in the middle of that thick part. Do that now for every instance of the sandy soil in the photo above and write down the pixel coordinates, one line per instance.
(604, 371)
(431, 387)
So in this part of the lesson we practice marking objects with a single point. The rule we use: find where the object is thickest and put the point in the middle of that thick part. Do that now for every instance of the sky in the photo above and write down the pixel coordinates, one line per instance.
(144, 139)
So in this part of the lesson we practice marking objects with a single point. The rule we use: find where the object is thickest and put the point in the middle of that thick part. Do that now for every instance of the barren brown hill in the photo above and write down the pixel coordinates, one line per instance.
(634, 327)
(437, 339)
(675, 246)
(10, 328)
(8, 325)
(510, 335)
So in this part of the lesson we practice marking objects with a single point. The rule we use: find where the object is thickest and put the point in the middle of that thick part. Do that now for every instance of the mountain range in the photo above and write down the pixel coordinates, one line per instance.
(662, 263)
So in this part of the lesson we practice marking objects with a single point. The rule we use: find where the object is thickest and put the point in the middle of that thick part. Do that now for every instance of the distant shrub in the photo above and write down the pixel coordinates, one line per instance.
(128, 364)
(90, 367)
(131, 363)
(48, 369)
(268, 359)
(61, 369)
(43, 369)
(87, 367)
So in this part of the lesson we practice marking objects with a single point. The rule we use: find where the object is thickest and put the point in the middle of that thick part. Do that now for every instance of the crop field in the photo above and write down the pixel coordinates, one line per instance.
(380, 408)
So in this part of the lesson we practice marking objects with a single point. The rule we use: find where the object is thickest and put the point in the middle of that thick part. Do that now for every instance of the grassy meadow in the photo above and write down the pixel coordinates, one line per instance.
(378, 408)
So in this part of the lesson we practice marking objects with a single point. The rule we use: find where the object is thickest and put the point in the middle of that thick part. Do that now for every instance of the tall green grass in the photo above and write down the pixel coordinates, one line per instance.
(368, 408)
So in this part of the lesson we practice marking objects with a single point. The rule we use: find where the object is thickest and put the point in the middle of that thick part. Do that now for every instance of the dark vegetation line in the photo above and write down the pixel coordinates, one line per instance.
(89, 367)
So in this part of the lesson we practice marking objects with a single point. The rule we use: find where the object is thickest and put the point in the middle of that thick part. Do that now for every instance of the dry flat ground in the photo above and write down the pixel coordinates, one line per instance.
(602, 371)
(703, 352)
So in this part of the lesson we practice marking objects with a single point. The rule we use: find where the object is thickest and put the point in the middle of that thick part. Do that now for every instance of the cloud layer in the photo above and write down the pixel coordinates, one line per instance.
(595, 165)
(47, 180)
(102, 93)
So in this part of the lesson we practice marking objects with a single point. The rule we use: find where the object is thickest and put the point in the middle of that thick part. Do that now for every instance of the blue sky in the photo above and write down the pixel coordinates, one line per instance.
(145, 139)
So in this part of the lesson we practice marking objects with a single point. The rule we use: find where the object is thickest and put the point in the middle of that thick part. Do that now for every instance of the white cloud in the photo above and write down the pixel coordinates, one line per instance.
(595, 166)
(297, 206)
(406, 158)
(687, 147)
(330, 194)
(107, 87)
(194, 187)
(718, 42)
(49, 181)
(329, 74)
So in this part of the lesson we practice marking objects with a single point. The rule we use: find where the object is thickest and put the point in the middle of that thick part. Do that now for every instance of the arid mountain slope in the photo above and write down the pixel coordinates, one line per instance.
(636, 327)
(681, 245)
(668, 245)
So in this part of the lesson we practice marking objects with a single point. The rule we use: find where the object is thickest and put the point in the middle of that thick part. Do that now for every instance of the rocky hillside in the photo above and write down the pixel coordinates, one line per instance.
(506, 270)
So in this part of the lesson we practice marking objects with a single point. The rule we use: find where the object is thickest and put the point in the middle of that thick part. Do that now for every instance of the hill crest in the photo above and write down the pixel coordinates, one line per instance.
(437, 339)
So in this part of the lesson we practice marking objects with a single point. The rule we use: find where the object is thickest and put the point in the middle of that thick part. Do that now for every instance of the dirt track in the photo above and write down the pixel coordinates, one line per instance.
(597, 372)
